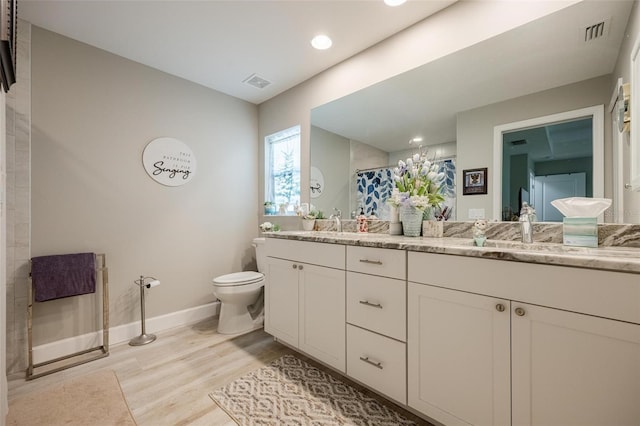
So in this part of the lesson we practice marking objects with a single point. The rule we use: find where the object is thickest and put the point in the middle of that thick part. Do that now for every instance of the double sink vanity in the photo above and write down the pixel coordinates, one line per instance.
(506, 334)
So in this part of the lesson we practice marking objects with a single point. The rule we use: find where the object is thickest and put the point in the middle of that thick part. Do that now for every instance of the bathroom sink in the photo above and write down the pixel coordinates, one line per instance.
(559, 249)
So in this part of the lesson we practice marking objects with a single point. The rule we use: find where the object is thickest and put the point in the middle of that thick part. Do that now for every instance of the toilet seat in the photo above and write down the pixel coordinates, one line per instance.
(238, 279)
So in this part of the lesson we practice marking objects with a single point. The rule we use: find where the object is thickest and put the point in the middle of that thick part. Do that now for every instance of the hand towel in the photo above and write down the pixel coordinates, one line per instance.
(63, 275)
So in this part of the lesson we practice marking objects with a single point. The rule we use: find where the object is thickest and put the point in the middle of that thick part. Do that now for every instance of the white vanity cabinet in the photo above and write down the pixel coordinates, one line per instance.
(497, 343)
(573, 369)
(305, 298)
(458, 356)
(376, 319)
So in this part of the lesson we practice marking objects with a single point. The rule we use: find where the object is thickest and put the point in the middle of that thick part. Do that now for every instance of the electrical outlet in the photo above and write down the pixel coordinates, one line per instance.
(476, 213)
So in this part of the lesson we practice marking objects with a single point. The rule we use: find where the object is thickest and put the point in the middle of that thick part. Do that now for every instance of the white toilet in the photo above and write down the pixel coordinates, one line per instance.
(237, 292)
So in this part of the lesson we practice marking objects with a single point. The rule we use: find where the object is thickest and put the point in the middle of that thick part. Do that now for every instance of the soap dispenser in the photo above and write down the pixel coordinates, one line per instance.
(362, 223)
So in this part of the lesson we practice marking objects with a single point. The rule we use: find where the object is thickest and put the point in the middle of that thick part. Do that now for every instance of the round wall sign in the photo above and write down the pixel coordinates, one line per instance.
(316, 181)
(169, 161)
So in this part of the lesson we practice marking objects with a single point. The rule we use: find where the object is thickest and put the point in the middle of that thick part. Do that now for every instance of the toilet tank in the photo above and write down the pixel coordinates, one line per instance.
(261, 257)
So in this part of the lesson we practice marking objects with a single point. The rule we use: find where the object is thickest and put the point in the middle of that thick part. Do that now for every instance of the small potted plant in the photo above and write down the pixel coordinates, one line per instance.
(309, 220)
(269, 227)
(269, 208)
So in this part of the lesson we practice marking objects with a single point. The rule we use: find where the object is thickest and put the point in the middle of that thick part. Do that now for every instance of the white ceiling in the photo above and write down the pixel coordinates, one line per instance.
(546, 53)
(218, 44)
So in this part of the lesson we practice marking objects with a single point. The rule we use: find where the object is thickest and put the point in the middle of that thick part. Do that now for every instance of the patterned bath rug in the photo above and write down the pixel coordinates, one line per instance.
(291, 392)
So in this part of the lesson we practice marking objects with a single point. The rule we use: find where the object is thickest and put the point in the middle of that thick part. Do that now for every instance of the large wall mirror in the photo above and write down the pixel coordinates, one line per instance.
(371, 129)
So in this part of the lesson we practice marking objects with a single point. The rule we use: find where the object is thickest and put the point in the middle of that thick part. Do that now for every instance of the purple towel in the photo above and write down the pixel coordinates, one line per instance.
(63, 275)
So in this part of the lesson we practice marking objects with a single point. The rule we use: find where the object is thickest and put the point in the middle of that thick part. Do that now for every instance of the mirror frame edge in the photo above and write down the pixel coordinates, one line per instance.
(596, 112)
(634, 173)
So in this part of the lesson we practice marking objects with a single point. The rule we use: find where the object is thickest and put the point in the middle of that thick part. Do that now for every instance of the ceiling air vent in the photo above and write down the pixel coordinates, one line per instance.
(256, 81)
(595, 31)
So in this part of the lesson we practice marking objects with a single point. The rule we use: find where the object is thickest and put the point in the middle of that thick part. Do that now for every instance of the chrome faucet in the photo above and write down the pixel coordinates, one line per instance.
(337, 216)
(527, 216)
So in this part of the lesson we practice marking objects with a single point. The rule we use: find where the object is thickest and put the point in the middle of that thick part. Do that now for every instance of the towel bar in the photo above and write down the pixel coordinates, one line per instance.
(104, 348)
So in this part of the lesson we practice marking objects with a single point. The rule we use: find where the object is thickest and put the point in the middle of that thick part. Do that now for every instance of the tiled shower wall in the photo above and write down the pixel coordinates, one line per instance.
(18, 113)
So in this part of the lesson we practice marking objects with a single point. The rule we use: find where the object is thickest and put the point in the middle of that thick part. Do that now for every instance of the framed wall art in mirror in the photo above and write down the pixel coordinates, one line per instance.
(474, 181)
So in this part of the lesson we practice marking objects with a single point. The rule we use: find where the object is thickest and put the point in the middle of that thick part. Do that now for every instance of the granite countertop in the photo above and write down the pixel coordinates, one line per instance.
(619, 259)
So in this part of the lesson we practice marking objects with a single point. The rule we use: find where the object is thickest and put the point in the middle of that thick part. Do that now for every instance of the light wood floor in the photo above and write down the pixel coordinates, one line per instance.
(167, 382)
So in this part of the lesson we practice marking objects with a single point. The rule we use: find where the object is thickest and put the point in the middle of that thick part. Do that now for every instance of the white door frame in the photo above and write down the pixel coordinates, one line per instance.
(595, 112)
(618, 159)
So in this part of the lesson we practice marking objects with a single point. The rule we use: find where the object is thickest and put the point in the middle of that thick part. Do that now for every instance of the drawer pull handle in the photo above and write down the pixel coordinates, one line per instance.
(368, 361)
(375, 305)
(500, 307)
(520, 312)
(295, 266)
(373, 262)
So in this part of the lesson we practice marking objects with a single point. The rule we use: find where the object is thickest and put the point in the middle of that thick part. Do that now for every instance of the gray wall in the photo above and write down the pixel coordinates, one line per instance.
(93, 114)
(475, 130)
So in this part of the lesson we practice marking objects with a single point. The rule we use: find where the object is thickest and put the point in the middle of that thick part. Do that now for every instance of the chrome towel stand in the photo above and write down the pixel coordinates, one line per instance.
(104, 348)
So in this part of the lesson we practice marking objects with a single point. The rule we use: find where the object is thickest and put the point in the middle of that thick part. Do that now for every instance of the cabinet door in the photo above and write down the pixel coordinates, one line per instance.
(281, 300)
(574, 369)
(322, 314)
(458, 356)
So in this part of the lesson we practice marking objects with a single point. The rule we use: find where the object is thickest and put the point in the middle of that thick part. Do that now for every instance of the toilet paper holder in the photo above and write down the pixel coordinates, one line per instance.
(144, 338)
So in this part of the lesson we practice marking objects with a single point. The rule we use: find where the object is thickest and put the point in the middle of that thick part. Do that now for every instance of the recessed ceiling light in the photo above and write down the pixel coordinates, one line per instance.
(394, 3)
(417, 139)
(321, 42)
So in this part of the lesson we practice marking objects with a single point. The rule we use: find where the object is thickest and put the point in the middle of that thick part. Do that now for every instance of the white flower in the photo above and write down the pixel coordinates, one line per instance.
(266, 226)
(396, 197)
(416, 158)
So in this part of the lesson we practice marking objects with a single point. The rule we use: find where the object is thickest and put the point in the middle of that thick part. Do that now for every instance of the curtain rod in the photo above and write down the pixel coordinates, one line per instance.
(391, 166)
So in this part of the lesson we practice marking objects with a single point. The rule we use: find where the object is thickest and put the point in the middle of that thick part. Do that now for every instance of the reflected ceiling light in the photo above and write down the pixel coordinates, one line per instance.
(394, 3)
(417, 139)
(321, 42)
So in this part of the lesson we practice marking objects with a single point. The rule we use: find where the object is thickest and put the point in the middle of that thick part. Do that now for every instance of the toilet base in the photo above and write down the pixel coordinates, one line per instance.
(236, 319)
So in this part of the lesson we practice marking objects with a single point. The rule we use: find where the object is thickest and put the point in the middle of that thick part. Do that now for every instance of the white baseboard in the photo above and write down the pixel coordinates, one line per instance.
(123, 333)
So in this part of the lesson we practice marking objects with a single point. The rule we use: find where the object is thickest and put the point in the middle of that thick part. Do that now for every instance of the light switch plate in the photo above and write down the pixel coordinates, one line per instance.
(476, 213)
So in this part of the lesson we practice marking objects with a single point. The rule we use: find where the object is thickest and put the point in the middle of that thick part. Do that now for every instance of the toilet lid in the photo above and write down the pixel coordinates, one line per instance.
(238, 278)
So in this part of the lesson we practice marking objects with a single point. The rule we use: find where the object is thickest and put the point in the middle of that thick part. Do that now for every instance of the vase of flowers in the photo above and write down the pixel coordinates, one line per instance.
(411, 220)
(418, 187)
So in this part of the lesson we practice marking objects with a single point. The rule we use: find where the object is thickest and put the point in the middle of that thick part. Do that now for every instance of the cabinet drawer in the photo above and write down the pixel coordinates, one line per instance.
(322, 254)
(378, 362)
(376, 261)
(378, 304)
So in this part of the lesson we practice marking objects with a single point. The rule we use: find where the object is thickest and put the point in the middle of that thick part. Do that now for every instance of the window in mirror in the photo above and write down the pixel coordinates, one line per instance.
(282, 172)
